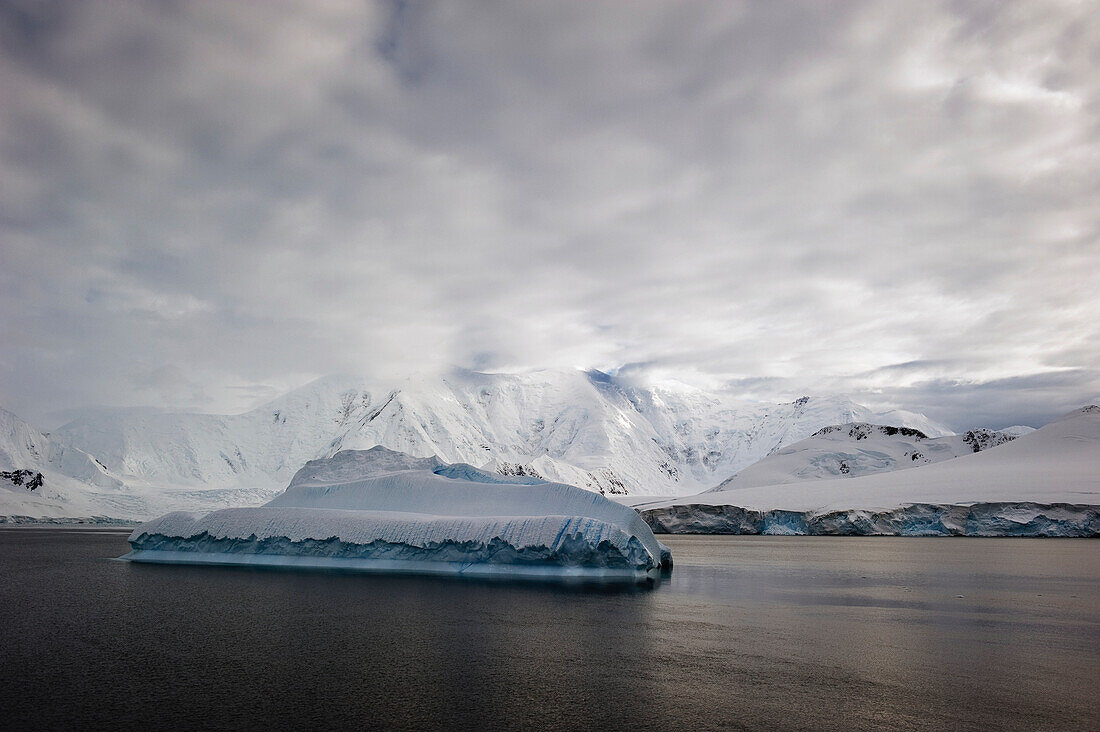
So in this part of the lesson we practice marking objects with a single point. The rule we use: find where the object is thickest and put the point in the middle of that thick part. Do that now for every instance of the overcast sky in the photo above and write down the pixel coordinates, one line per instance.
(203, 204)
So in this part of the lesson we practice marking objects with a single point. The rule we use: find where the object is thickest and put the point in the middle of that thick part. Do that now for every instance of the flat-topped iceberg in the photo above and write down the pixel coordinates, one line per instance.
(383, 511)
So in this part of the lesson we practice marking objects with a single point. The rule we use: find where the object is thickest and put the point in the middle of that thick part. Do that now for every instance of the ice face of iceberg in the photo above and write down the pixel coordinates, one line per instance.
(379, 510)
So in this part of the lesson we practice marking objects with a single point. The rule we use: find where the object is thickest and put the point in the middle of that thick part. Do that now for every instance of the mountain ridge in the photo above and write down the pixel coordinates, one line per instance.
(859, 448)
(1056, 464)
(583, 428)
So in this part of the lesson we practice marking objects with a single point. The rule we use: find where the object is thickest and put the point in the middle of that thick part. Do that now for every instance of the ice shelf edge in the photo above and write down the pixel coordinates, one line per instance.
(474, 570)
(984, 519)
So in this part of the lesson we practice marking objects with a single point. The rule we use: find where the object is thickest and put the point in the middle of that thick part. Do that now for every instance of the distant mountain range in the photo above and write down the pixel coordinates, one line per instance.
(585, 428)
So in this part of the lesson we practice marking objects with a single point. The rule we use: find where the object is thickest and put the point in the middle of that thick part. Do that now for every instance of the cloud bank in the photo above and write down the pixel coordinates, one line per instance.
(205, 203)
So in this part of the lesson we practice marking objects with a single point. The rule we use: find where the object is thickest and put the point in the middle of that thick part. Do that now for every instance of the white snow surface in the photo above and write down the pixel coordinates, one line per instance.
(582, 428)
(386, 511)
(855, 449)
(380, 479)
(1059, 463)
(74, 482)
(77, 484)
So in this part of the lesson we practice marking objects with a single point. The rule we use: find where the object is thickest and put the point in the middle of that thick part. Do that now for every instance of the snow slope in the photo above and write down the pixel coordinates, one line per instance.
(73, 482)
(855, 449)
(77, 484)
(583, 428)
(379, 510)
(246, 458)
(1057, 465)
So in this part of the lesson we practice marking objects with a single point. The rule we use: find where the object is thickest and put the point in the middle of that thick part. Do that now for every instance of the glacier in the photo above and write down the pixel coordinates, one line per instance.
(919, 519)
(1044, 482)
(379, 510)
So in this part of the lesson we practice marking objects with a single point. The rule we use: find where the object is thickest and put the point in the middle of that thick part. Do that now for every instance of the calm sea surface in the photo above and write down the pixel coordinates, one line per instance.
(750, 632)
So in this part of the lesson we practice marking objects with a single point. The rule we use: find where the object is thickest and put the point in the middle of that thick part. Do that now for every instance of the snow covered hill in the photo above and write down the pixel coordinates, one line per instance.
(71, 482)
(246, 458)
(1049, 475)
(583, 428)
(858, 448)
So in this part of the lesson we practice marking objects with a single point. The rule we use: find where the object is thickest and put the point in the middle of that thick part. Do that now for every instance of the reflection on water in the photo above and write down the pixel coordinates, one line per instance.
(747, 632)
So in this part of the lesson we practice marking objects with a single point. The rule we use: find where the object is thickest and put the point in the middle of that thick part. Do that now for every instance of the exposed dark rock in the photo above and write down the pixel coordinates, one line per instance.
(28, 478)
(863, 430)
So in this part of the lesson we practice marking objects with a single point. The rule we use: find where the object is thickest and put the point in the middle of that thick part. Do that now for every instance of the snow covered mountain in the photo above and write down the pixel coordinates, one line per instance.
(1046, 482)
(249, 456)
(858, 448)
(583, 428)
(41, 476)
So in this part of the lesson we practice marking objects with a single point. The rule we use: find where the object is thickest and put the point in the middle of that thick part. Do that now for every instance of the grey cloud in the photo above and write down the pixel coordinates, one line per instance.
(767, 194)
(1032, 399)
(168, 383)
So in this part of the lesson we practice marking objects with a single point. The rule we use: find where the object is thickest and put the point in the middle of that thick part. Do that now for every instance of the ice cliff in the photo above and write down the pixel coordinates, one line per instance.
(980, 519)
(384, 511)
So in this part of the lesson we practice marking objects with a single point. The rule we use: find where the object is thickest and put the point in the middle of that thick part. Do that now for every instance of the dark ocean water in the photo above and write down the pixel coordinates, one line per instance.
(749, 632)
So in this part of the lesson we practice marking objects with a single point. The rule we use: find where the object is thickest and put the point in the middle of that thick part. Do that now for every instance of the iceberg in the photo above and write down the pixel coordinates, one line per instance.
(379, 510)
